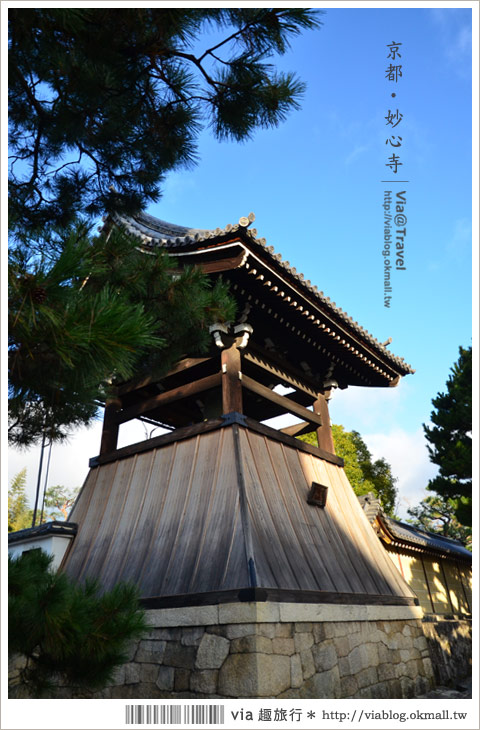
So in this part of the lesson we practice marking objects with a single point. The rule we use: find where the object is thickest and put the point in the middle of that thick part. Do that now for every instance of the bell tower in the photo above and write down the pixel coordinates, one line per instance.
(223, 506)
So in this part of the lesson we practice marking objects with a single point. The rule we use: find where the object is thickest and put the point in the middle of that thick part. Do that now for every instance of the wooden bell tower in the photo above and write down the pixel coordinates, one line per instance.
(223, 506)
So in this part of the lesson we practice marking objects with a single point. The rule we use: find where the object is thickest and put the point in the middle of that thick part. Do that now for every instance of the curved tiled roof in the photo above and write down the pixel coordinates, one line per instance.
(409, 533)
(54, 527)
(156, 232)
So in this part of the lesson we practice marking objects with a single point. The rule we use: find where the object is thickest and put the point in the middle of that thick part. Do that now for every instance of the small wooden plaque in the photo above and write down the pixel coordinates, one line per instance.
(317, 494)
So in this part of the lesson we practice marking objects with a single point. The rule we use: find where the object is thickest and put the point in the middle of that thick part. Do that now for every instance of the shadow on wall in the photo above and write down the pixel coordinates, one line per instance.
(450, 646)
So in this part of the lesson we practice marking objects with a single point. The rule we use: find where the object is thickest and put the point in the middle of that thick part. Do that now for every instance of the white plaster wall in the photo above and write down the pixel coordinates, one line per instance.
(55, 545)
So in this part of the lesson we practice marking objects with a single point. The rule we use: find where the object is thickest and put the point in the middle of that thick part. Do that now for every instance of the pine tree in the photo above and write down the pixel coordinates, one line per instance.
(437, 515)
(102, 97)
(67, 632)
(364, 474)
(86, 312)
(19, 513)
(450, 438)
(61, 499)
(103, 104)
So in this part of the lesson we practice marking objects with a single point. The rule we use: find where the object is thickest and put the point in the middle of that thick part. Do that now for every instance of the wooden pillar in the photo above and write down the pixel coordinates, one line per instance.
(324, 432)
(111, 425)
(231, 382)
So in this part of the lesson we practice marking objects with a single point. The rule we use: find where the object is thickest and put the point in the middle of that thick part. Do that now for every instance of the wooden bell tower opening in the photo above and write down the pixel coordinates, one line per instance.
(223, 507)
(200, 389)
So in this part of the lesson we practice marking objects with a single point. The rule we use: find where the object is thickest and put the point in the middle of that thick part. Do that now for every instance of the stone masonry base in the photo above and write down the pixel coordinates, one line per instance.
(450, 645)
(274, 650)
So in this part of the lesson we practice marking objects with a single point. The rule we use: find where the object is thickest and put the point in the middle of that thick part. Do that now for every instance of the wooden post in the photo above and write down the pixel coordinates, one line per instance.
(324, 432)
(111, 426)
(231, 383)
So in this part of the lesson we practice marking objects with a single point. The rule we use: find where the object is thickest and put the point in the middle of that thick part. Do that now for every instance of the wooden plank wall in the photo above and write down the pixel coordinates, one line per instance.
(442, 586)
(414, 573)
(166, 519)
(182, 519)
(300, 546)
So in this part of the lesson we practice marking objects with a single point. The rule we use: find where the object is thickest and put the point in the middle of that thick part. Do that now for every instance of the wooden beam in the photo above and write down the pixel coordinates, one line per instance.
(280, 373)
(298, 429)
(324, 432)
(110, 426)
(212, 267)
(183, 391)
(279, 595)
(231, 383)
(280, 400)
(284, 367)
(205, 427)
(185, 364)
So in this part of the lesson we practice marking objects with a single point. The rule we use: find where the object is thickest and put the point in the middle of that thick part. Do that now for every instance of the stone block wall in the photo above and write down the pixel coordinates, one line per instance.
(450, 646)
(275, 651)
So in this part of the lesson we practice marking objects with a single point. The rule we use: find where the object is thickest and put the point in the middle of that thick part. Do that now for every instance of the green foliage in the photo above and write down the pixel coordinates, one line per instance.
(450, 438)
(102, 97)
(67, 631)
(103, 103)
(19, 514)
(86, 312)
(364, 474)
(437, 515)
(61, 499)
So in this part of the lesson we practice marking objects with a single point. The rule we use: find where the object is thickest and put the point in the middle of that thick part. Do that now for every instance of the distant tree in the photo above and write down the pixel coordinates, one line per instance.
(61, 499)
(364, 474)
(450, 439)
(102, 97)
(67, 632)
(19, 513)
(437, 515)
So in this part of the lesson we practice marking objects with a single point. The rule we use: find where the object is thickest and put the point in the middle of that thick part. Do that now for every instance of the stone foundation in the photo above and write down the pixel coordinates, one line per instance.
(450, 646)
(275, 650)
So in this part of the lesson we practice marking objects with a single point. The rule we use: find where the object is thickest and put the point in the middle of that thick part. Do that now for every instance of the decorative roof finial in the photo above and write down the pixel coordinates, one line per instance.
(245, 221)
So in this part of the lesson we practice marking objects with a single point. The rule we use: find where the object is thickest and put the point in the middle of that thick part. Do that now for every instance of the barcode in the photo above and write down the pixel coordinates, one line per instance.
(172, 714)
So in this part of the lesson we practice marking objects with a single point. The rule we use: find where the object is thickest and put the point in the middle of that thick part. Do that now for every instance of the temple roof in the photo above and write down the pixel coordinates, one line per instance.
(410, 534)
(46, 529)
(176, 239)
(404, 535)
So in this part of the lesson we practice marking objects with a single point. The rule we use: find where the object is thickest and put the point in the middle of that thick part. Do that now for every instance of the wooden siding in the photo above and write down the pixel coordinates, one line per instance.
(465, 574)
(457, 595)
(222, 511)
(166, 519)
(412, 570)
(442, 586)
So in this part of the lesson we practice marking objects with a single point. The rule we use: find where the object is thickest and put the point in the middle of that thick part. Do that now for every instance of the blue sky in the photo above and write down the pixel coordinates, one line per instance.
(315, 187)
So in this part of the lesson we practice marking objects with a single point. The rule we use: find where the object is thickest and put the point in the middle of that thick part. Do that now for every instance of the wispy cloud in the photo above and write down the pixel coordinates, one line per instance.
(455, 29)
(369, 409)
(357, 152)
(461, 240)
(69, 461)
(408, 456)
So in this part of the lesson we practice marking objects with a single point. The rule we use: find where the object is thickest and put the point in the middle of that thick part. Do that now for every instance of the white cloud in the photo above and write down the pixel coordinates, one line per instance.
(174, 188)
(365, 409)
(372, 412)
(461, 239)
(407, 454)
(456, 35)
(359, 150)
(375, 413)
(69, 461)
